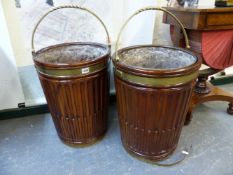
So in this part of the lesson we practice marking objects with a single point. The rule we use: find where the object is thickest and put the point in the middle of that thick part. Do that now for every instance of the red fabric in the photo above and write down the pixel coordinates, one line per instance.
(217, 48)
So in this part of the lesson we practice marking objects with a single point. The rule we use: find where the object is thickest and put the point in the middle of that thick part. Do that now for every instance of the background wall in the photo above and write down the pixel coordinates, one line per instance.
(62, 25)
(161, 33)
(14, 27)
(206, 2)
(75, 25)
(10, 87)
(142, 29)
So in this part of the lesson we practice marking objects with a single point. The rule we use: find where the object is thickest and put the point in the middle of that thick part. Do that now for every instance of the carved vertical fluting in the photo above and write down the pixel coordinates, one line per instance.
(78, 106)
(151, 119)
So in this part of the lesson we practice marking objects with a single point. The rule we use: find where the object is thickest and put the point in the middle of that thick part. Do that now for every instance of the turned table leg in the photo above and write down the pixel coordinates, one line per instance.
(188, 118)
(201, 87)
(230, 109)
(205, 91)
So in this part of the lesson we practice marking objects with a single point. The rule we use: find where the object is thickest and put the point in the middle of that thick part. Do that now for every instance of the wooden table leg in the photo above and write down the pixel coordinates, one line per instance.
(230, 109)
(216, 94)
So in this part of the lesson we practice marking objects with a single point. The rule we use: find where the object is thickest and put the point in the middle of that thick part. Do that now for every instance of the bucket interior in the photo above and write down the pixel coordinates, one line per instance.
(71, 54)
(156, 58)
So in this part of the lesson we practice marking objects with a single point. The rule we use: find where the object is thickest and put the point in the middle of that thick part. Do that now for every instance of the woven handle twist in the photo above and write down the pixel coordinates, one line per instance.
(62, 7)
(146, 9)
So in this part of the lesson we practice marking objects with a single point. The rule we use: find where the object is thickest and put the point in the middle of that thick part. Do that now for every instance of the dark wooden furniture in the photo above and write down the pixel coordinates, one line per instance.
(75, 80)
(196, 20)
(148, 129)
(77, 100)
(152, 95)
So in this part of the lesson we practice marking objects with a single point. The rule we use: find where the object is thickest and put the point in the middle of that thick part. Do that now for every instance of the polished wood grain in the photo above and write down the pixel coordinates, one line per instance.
(151, 119)
(205, 9)
(215, 94)
(202, 18)
(78, 102)
(195, 21)
(78, 106)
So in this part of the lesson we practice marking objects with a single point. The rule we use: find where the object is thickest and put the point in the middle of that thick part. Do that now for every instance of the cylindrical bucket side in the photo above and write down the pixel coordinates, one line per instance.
(75, 82)
(151, 119)
(153, 96)
(78, 106)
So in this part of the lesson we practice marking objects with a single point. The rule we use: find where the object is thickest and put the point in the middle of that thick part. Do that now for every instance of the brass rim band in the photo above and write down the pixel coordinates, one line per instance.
(155, 81)
(62, 73)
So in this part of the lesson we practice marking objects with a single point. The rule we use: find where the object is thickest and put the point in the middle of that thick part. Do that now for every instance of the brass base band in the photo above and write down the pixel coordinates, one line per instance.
(156, 81)
(62, 73)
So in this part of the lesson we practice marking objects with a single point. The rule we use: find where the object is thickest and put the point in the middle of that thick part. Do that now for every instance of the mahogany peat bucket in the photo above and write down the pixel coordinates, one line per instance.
(74, 77)
(153, 88)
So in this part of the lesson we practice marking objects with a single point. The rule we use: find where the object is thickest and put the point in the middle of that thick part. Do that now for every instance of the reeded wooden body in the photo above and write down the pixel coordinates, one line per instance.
(78, 106)
(152, 115)
(151, 119)
(78, 102)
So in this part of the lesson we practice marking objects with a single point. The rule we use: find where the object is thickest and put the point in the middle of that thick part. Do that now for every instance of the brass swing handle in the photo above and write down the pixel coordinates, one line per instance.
(146, 9)
(62, 7)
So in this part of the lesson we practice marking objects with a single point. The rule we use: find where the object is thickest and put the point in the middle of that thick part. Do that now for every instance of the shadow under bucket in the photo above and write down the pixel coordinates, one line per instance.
(153, 88)
(74, 77)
